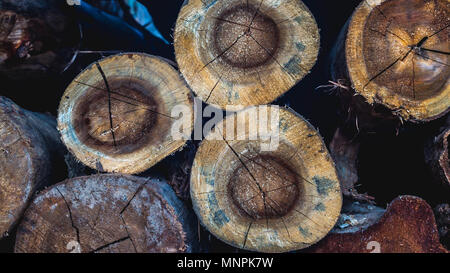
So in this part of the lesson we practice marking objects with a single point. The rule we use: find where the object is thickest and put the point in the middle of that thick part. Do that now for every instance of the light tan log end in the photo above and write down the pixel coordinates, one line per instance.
(277, 200)
(397, 55)
(125, 125)
(234, 52)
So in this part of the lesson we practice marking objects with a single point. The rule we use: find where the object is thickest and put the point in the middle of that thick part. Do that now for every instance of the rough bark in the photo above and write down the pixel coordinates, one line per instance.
(407, 226)
(244, 53)
(269, 200)
(131, 125)
(437, 155)
(29, 143)
(107, 213)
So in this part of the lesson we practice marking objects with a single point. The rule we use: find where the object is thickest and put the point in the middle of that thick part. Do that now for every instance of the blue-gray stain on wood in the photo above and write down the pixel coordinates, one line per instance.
(236, 96)
(304, 231)
(324, 185)
(212, 201)
(319, 207)
(300, 46)
(298, 19)
(209, 181)
(220, 218)
(284, 126)
(209, 3)
(293, 66)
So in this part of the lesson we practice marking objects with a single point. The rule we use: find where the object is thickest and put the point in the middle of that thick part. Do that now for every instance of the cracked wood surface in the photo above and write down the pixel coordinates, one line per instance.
(268, 201)
(238, 52)
(28, 143)
(107, 213)
(129, 127)
(396, 54)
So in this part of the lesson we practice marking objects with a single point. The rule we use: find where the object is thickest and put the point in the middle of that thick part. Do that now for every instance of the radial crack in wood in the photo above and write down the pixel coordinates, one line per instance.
(268, 200)
(107, 213)
(238, 52)
(395, 54)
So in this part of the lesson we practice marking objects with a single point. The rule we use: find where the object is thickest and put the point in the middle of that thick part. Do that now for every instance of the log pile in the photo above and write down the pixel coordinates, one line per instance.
(116, 116)
(262, 178)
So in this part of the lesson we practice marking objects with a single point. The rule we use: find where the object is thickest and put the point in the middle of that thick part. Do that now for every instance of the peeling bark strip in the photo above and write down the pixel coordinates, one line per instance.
(437, 155)
(234, 52)
(36, 37)
(28, 142)
(107, 213)
(407, 226)
(396, 54)
(116, 116)
(277, 201)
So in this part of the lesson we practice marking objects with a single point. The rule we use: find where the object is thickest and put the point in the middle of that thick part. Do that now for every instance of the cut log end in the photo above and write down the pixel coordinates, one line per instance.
(106, 213)
(397, 55)
(116, 116)
(245, 53)
(282, 189)
(279, 200)
(437, 151)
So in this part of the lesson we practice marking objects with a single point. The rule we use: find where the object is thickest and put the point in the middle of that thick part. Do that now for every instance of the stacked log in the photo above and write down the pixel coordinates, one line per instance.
(29, 146)
(107, 214)
(268, 200)
(116, 116)
(244, 52)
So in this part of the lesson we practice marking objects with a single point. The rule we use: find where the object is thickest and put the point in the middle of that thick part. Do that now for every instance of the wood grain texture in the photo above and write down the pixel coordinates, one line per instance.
(268, 201)
(116, 116)
(246, 53)
(107, 213)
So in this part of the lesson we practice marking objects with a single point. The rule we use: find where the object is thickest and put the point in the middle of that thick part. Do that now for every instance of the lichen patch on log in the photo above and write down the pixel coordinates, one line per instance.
(106, 213)
(235, 52)
(269, 201)
(116, 116)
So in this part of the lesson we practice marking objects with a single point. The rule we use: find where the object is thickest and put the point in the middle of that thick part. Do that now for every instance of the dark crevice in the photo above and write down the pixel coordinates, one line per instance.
(110, 244)
(109, 102)
(77, 231)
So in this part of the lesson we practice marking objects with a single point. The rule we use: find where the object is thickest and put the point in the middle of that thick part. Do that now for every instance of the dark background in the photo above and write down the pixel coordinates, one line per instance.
(389, 165)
